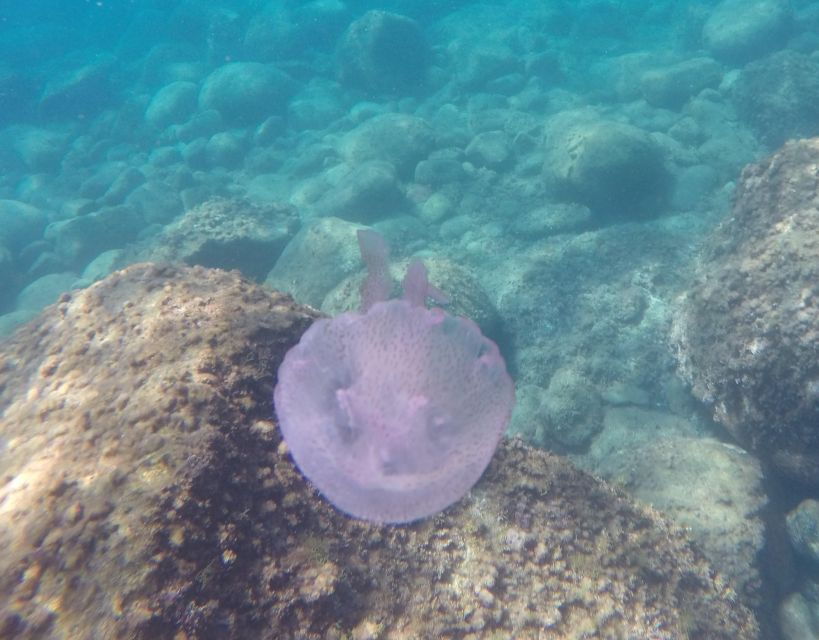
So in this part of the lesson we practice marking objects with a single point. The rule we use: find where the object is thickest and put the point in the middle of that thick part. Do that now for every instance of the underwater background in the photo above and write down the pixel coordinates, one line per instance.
(621, 195)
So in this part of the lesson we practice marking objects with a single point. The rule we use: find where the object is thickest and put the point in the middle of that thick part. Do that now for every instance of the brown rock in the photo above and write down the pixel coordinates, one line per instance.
(146, 493)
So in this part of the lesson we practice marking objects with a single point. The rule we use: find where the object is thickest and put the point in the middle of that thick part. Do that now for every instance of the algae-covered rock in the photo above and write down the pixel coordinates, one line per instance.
(615, 169)
(747, 328)
(222, 233)
(147, 494)
(384, 53)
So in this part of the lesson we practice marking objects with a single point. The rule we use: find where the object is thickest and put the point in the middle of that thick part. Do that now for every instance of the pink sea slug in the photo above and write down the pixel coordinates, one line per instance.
(395, 411)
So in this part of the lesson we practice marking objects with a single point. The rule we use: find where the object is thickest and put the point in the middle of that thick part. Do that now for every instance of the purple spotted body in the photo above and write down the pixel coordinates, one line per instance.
(395, 411)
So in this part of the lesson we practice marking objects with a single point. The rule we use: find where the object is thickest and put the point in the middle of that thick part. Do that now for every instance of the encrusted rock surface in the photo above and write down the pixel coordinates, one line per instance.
(146, 493)
(747, 330)
(224, 234)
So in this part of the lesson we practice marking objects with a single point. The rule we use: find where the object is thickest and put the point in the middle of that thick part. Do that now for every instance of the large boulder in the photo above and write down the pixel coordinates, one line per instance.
(747, 329)
(246, 92)
(779, 96)
(712, 487)
(384, 53)
(280, 30)
(319, 256)
(20, 223)
(615, 169)
(77, 240)
(172, 104)
(147, 494)
(222, 233)
(362, 192)
(741, 30)
(400, 139)
(44, 290)
(672, 86)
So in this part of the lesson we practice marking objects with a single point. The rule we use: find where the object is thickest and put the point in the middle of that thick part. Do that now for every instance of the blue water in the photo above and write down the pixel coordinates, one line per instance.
(453, 128)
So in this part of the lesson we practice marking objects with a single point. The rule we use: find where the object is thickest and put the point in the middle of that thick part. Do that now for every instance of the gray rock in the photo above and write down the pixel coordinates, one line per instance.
(778, 96)
(439, 171)
(486, 63)
(672, 86)
(563, 417)
(224, 234)
(20, 223)
(279, 31)
(164, 156)
(802, 525)
(73, 207)
(78, 240)
(124, 183)
(44, 291)
(799, 618)
(316, 108)
(79, 92)
(98, 183)
(361, 193)
(10, 321)
(615, 169)
(436, 208)
(466, 297)
(693, 185)
(195, 154)
(172, 104)
(7, 269)
(100, 267)
(552, 219)
(740, 30)
(204, 123)
(753, 318)
(267, 132)
(399, 139)
(712, 488)
(490, 149)
(225, 149)
(384, 53)
(39, 149)
(156, 200)
(319, 257)
(246, 92)
(44, 263)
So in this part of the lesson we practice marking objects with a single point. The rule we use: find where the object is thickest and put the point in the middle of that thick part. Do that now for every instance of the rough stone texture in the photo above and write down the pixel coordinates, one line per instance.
(246, 92)
(384, 53)
(615, 169)
(316, 259)
(361, 192)
(747, 330)
(224, 234)
(799, 618)
(20, 223)
(146, 494)
(802, 525)
(562, 418)
(79, 240)
(397, 138)
(713, 488)
(779, 96)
